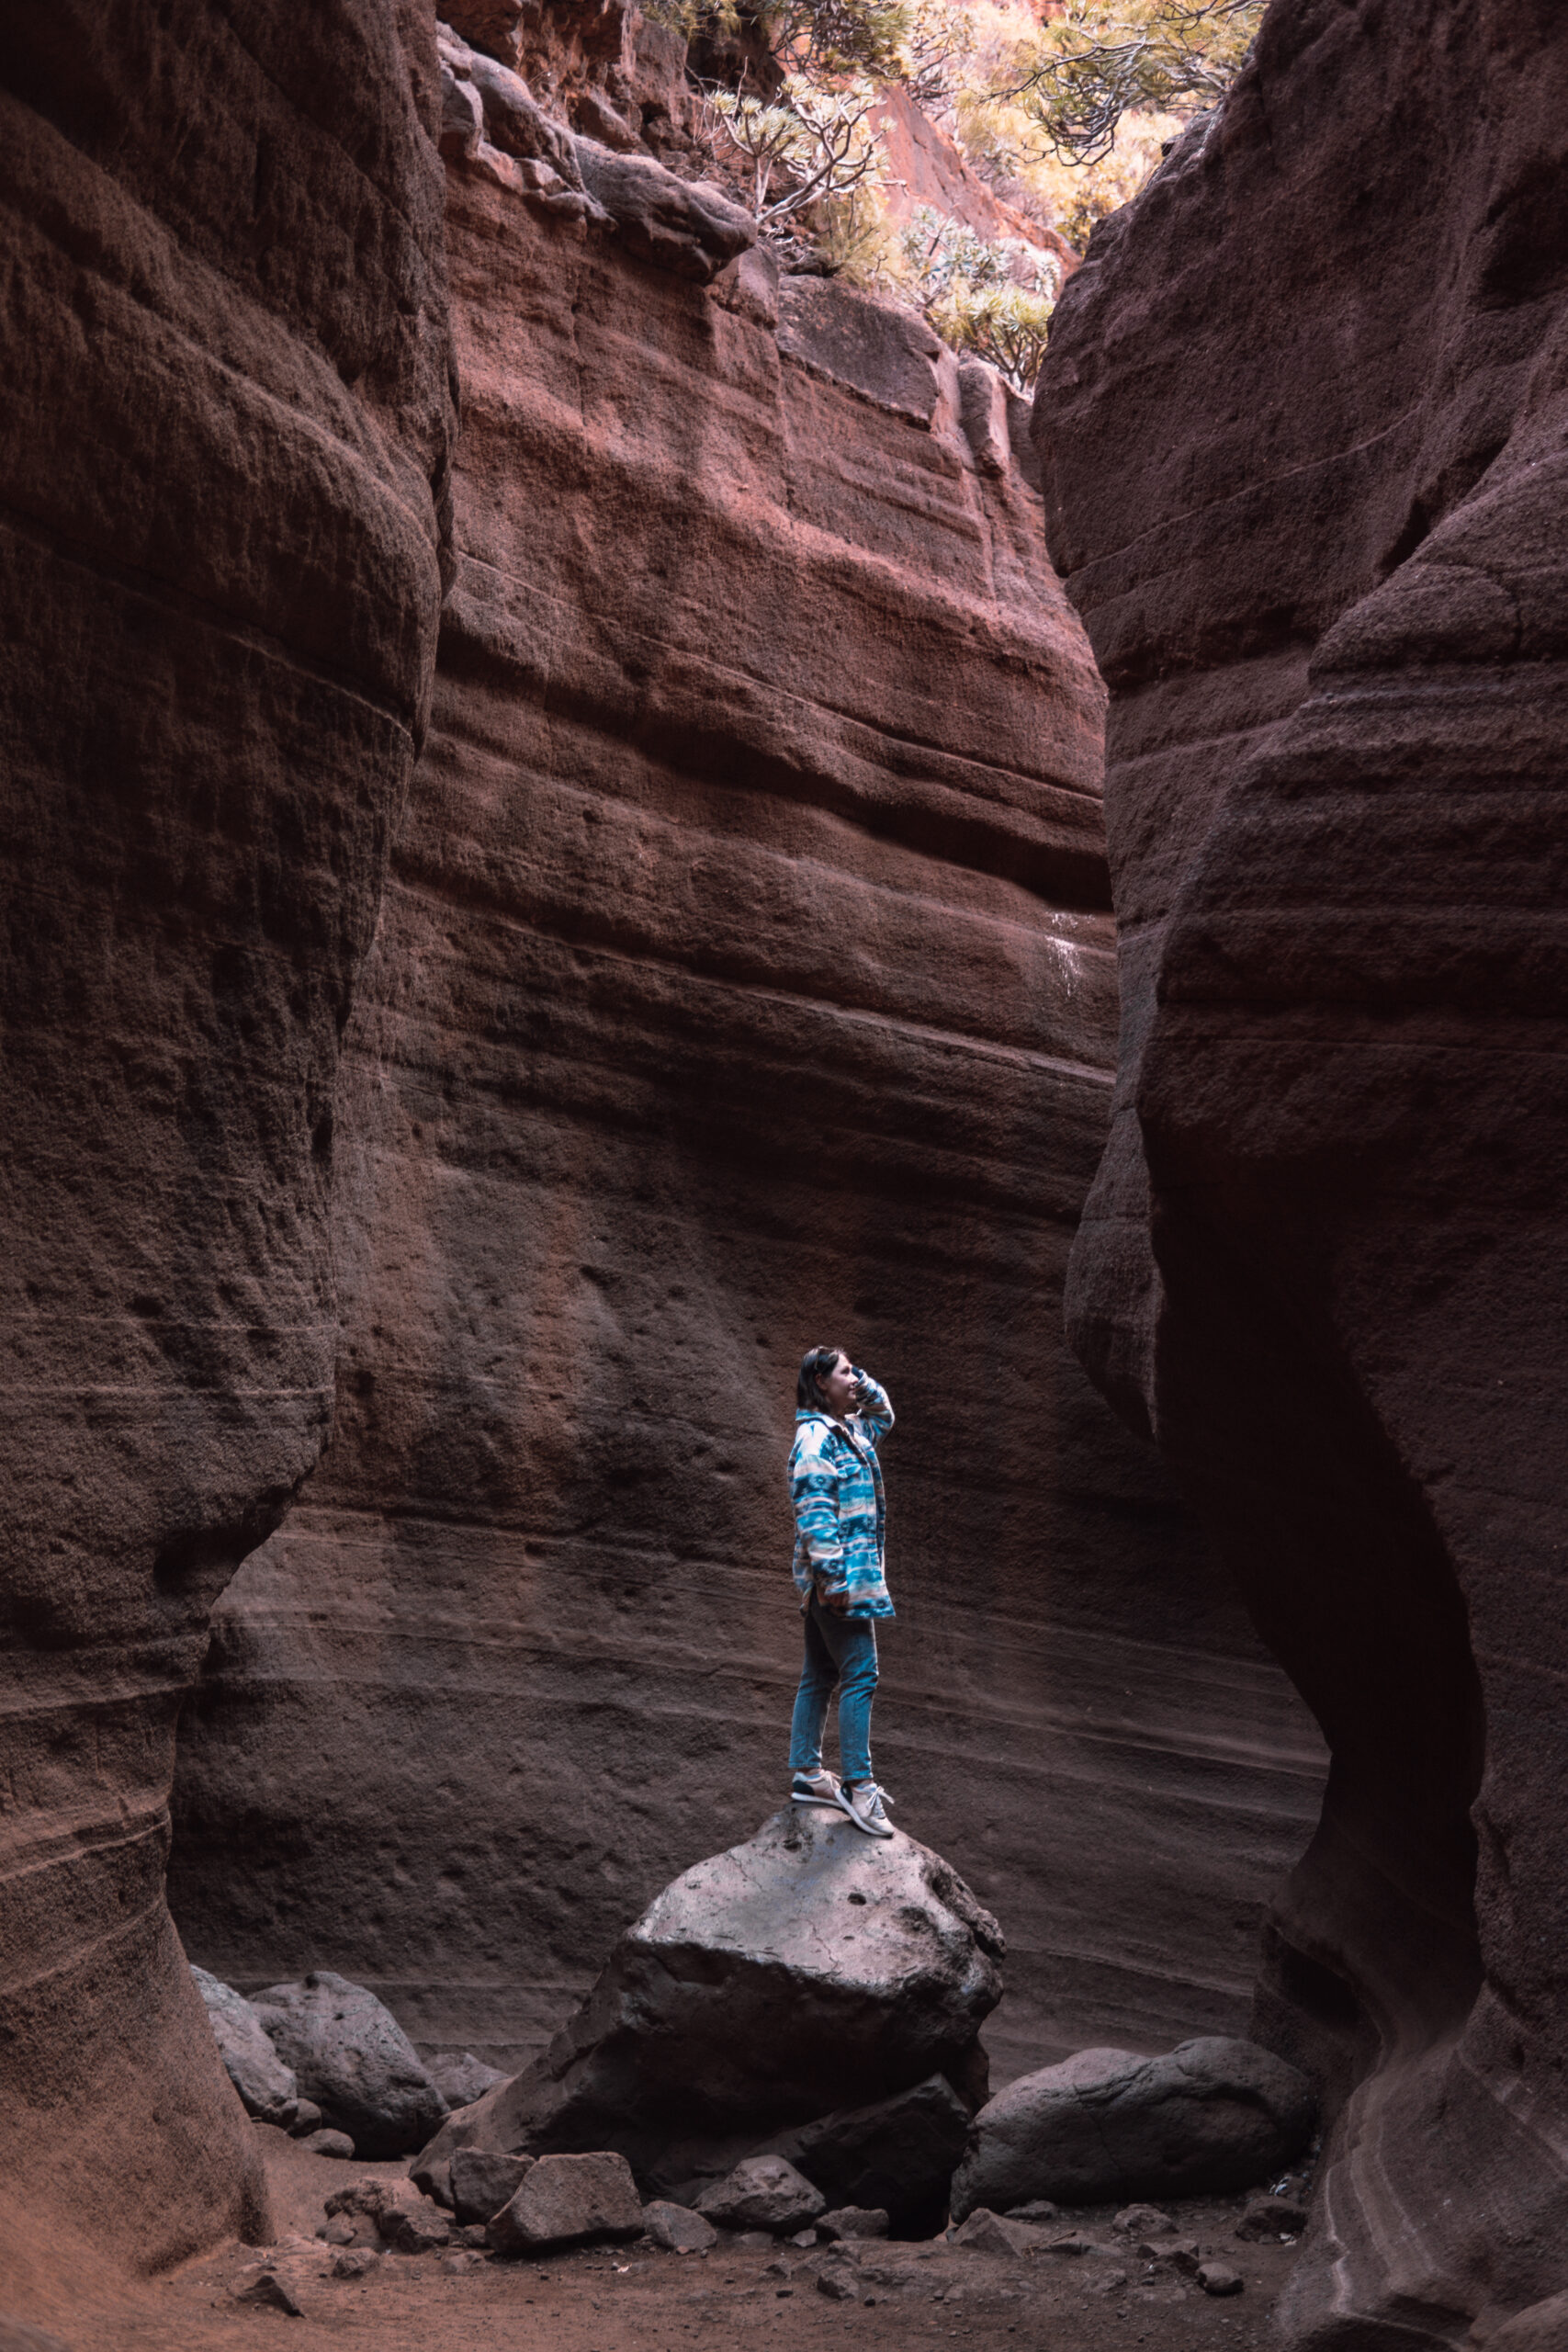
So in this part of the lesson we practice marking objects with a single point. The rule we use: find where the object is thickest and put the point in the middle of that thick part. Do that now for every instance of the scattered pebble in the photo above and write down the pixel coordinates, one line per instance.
(267, 2290)
(1144, 2222)
(355, 2262)
(1272, 2217)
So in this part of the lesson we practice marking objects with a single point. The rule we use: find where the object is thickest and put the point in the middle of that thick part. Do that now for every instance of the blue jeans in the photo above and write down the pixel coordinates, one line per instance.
(839, 1650)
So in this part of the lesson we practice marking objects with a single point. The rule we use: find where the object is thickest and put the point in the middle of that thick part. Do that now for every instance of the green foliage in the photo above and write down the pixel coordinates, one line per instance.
(811, 147)
(1065, 119)
(815, 38)
(991, 297)
(1105, 59)
(1006, 325)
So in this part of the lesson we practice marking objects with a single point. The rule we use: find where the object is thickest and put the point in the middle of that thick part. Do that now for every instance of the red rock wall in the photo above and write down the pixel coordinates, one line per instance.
(224, 408)
(1303, 423)
(745, 980)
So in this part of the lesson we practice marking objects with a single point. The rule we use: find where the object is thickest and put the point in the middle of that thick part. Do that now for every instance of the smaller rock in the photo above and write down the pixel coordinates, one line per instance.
(751, 2241)
(421, 2232)
(461, 2077)
(898, 2154)
(307, 2117)
(465, 2259)
(252, 2066)
(1037, 2212)
(1176, 2253)
(803, 2238)
(267, 2290)
(984, 2232)
(853, 2222)
(329, 2143)
(1110, 2282)
(373, 2197)
(349, 2054)
(1144, 2222)
(762, 2193)
(1267, 2219)
(1073, 2244)
(483, 2181)
(677, 2228)
(356, 2262)
(339, 2231)
(387, 2206)
(838, 2286)
(565, 2199)
(1215, 2280)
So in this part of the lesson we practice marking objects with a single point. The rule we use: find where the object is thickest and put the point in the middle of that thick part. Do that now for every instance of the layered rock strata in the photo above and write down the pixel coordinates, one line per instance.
(745, 978)
(1303, 425)
(223, 435)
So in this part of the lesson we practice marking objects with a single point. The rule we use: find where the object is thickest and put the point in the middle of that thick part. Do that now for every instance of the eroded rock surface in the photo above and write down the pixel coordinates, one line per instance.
(224, 418)
(1303, 422)
(758, 829)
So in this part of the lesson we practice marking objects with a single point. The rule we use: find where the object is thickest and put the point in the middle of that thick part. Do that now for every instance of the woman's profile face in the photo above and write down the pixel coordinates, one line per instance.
(838, 1388)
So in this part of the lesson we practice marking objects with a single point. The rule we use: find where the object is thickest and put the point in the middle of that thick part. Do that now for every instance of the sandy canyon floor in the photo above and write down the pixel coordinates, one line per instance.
(637, 2299)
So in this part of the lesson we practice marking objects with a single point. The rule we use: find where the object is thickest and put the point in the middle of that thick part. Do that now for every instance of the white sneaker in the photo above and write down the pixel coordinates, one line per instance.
(814, 1788)
(863, 1806)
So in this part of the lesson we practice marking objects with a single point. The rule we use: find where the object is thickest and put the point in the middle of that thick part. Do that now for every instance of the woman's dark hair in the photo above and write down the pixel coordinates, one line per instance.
(814, 1366)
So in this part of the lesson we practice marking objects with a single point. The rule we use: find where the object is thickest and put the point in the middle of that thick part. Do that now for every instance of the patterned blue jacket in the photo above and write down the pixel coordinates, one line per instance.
(840, 1516)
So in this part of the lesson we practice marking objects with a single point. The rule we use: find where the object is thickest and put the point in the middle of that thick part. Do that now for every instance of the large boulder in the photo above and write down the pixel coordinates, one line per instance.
(350, 2054)
(250, 2059)
(898, 2154)
(1209, 2116)
(808, 1969)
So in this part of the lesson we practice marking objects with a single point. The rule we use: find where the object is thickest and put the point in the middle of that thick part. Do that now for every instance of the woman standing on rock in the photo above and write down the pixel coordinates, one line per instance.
(835, 1484)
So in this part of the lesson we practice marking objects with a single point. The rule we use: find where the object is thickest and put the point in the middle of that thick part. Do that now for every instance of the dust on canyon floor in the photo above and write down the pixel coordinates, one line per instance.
(635, 2299)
